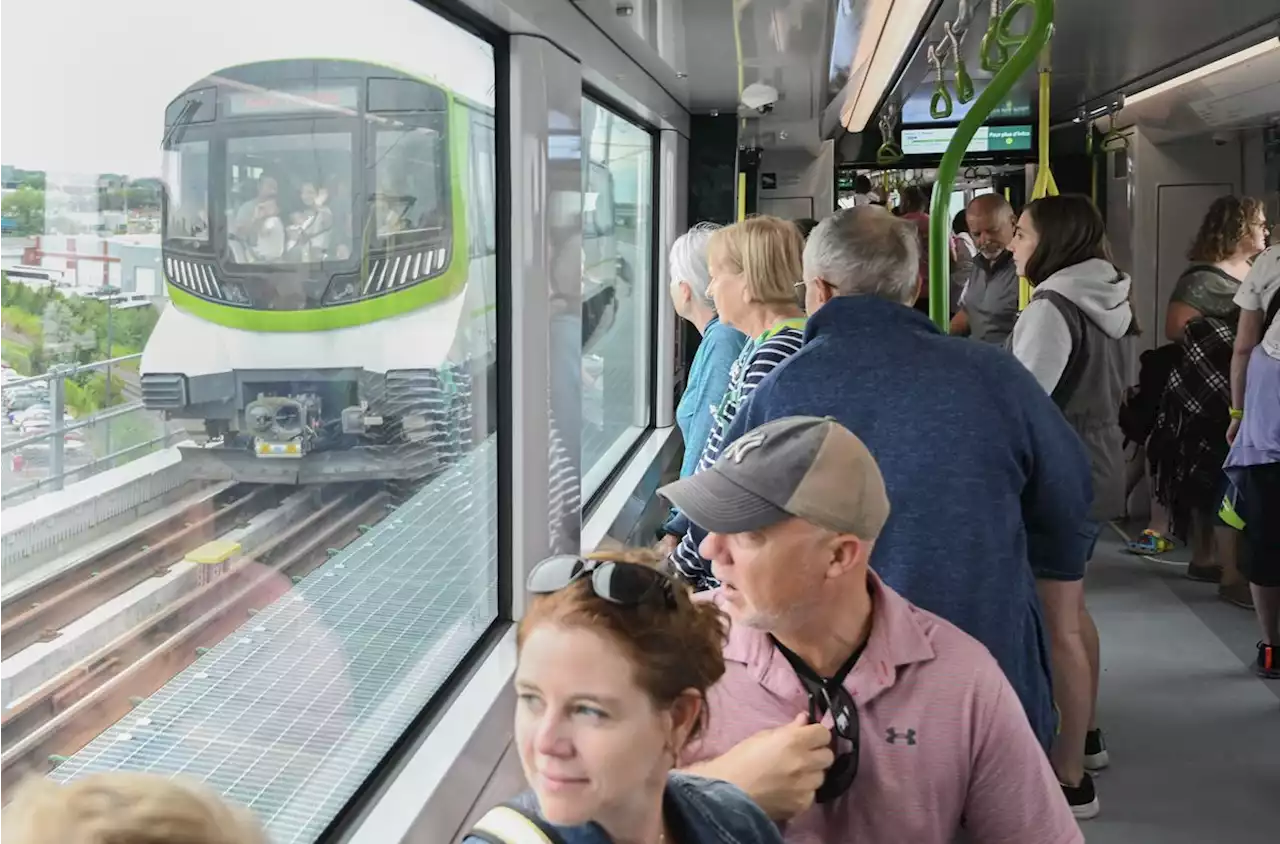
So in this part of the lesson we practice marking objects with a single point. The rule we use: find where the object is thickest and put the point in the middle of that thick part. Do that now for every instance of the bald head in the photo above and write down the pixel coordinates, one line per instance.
(990, 219)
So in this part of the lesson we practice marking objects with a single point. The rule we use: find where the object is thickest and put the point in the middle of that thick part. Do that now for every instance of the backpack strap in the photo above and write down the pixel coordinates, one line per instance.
(1273, 307)
(1074, 370)
(510, 823)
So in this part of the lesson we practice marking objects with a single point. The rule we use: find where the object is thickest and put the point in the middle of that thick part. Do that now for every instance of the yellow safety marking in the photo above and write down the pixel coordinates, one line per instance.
(217, 551)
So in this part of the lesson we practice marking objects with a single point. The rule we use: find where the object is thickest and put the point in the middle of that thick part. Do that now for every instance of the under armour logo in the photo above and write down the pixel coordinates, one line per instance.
(738, 449)
(891, 735)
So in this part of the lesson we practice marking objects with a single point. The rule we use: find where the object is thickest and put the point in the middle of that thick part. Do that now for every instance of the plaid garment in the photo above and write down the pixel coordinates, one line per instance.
(1188, 442)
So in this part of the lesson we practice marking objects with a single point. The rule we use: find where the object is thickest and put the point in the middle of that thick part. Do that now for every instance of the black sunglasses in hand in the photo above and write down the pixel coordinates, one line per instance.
(626, 584)
(844, 714)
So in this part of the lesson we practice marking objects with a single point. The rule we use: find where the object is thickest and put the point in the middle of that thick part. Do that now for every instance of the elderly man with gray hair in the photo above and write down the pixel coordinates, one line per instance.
(983, 470)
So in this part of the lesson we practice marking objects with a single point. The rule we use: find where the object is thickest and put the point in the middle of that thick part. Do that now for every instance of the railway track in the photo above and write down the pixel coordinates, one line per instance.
(64, 714)
(38, 614)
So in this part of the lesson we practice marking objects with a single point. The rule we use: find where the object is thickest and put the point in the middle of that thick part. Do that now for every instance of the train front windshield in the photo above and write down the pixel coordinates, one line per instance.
(297, 212)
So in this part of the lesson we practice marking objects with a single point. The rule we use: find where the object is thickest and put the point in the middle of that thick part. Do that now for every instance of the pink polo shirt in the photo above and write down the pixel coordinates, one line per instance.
(943, 735)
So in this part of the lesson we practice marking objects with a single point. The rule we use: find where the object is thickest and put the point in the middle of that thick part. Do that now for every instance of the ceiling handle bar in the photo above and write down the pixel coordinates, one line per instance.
(992, 54)
(939, 218)
(940, 102)
(889, 152)
(964, 82)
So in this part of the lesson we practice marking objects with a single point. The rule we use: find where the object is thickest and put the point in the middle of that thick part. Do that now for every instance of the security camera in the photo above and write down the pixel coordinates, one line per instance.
(1221, 139)
(760, 97)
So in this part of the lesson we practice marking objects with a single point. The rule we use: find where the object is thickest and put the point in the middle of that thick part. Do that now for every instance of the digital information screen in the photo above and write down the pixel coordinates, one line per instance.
(273, 102)
(986, 139)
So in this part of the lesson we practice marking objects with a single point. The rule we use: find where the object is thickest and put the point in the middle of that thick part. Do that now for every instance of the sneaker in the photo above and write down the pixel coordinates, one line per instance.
(1095, 751)
(1268, 664)
(1150, 543)
(1082, 798)
(1203, 573)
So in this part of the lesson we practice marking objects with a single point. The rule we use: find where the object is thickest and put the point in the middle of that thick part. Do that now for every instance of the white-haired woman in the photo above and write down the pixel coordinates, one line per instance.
(709, 373)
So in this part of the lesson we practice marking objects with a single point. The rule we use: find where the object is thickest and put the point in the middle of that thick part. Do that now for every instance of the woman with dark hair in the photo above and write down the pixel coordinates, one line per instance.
(1186, 449)
(1070, 338)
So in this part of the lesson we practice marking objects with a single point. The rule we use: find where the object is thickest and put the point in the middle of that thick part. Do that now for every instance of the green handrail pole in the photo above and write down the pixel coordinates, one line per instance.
(939, 219)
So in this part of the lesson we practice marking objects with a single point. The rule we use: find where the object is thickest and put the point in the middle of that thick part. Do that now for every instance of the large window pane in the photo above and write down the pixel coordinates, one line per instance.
(617, 223)
(294, 204)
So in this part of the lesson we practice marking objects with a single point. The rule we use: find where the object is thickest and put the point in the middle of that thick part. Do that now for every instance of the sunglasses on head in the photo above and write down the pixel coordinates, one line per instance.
(844, 714)
(626, 584)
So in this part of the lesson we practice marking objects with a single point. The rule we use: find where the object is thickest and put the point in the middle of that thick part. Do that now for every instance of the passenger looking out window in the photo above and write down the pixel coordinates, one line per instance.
(754, 269)
(835, 686)
(709, 373)
(615, 660)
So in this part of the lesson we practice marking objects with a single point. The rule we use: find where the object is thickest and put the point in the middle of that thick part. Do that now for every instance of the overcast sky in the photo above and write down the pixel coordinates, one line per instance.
(84, 85)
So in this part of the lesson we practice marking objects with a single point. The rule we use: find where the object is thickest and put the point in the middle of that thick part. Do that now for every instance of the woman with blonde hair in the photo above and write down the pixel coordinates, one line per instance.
(756, 268)
(615, 660)
(125, 808)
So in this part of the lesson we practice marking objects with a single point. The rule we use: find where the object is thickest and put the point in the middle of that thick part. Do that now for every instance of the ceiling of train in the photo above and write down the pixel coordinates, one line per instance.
(707, 52)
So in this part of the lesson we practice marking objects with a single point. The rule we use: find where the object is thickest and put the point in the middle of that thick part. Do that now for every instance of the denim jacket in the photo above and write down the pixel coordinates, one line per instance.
(709, 812)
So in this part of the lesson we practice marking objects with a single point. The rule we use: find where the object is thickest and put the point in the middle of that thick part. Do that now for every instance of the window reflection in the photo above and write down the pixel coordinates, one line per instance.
(617, 219)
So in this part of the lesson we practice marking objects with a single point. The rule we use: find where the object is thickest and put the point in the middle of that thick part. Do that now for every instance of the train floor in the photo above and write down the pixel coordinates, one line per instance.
(1193, 734)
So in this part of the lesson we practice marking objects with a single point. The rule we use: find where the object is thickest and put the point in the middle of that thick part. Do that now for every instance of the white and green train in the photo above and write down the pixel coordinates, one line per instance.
(329, 246)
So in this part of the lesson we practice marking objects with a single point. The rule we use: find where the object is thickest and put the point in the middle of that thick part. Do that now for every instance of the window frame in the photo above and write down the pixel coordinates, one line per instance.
(599, 476)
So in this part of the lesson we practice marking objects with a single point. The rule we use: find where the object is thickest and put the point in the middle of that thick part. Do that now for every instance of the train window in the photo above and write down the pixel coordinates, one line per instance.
(617, 178)
(302, 437)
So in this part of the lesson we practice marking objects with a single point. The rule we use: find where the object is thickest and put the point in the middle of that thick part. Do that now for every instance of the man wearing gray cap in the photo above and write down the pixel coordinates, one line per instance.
(831, 676)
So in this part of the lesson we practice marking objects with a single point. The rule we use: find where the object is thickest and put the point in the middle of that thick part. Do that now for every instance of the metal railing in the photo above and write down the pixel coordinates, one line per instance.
(59, 427)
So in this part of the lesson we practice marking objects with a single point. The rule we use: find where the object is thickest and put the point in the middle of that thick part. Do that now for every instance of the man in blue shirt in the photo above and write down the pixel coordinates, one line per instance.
(983, 471)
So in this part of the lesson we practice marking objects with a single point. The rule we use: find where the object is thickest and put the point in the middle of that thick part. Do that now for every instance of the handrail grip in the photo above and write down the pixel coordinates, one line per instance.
(939, 220)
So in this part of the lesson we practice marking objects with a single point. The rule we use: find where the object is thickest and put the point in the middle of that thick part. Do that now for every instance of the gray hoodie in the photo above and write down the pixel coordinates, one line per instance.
(1041, 339)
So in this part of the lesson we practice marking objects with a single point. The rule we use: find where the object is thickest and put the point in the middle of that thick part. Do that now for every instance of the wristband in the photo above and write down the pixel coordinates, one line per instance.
(1236, 413)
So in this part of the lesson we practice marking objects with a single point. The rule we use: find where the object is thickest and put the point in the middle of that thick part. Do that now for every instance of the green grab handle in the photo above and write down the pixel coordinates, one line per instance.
(1010, 14)
(940, 102)
(964, 83)
(992, 53)
(939, 217)
(889, 153)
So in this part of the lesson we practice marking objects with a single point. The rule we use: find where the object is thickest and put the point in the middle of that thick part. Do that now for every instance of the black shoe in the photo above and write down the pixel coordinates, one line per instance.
(1204, 574)
(1268, 664)
(1082, 798)
(1095, 751)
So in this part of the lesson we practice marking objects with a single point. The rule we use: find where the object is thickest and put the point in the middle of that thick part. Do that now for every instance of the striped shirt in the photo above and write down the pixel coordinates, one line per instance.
(759, 357)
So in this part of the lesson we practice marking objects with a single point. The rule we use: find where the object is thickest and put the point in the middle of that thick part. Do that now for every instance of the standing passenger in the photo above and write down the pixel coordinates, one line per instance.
(615, 661)
(709, 373)
(989, 303)
(1254, 433)
(984, 472)
(1071, 339)
(824, 658)
(755, 270)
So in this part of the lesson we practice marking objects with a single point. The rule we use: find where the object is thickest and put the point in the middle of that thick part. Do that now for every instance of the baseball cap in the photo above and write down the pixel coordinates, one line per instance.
(802, 466)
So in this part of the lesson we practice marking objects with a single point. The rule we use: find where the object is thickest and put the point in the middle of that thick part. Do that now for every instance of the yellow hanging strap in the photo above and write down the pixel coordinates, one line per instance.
(1045, 184)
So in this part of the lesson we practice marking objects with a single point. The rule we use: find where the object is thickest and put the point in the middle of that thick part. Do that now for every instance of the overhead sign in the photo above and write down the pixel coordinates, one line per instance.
(987, 139)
